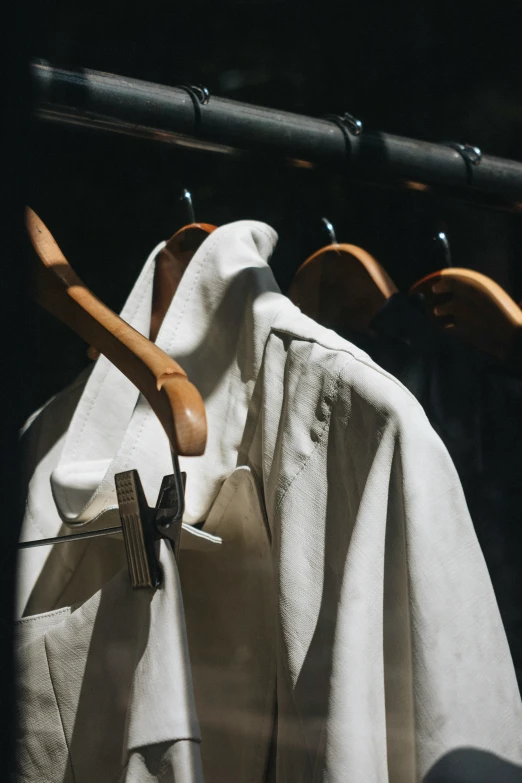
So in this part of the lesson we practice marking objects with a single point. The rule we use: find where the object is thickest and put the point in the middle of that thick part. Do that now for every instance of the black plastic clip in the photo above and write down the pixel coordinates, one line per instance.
(143, 526)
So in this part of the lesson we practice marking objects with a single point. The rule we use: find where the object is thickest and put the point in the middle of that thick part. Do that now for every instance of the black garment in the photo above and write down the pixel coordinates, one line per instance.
(475, 405)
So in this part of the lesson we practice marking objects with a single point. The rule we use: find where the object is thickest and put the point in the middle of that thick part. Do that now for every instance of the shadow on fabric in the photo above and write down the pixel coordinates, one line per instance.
(469, 765)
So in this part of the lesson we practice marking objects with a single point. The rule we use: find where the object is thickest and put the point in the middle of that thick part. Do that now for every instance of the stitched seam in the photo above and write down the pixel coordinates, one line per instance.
(168, 349)
(132, 449)
(59, 711)
(37, 617)
(88, 411)
(312, 763)
(189, 296)
(97, 491)
(102, 381)
(86, 417)
(373, 368)
(321, 433)
(304, 462)
(212, 241)
(150, 273)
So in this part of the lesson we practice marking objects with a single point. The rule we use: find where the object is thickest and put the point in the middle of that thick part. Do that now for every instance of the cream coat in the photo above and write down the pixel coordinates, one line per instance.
(349, 587)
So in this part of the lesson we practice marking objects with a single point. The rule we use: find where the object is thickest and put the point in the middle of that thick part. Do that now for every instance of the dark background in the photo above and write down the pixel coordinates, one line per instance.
(432, 70)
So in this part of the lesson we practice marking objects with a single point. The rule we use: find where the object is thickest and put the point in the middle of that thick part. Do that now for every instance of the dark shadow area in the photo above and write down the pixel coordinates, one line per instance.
(109, 200)
(469, 765)
(16, 339)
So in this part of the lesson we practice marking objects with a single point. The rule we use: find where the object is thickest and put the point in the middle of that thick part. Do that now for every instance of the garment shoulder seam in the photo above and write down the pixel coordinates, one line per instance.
(324, 429)
(351, 355)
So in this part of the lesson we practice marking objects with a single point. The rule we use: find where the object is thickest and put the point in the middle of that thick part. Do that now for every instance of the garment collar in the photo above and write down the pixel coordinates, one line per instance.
(216, 328)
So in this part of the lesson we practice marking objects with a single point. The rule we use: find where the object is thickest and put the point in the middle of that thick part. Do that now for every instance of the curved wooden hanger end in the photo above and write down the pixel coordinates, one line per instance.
(341, 286)
(162, 381)
(475, 308)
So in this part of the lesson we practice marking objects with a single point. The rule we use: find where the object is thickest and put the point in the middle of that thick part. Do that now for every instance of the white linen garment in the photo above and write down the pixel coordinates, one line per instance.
(104, 689)
(324, 477)
(104, 682)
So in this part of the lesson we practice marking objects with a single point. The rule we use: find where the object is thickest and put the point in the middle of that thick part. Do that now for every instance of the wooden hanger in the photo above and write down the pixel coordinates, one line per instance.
(475, 308)
(165, 385)
(341, 286)
(171, 263)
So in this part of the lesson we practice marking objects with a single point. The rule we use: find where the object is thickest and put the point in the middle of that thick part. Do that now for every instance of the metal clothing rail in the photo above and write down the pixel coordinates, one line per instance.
(142, 109)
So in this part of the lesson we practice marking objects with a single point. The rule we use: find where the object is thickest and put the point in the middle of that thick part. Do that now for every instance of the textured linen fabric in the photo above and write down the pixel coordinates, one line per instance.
(389, 648)
(104, 682)
(105, 690)
(475, 405)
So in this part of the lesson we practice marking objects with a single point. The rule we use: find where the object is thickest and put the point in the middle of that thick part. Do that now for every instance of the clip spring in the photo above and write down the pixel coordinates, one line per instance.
(141, 525)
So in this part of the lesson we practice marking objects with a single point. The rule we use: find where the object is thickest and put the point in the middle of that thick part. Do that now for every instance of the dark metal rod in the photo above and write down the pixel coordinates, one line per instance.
(142, 109)
(107, 531)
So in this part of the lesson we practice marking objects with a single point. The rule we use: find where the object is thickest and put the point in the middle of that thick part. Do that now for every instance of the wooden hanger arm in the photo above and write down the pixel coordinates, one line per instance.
(162, 381)
(341, 286)
(477, 309)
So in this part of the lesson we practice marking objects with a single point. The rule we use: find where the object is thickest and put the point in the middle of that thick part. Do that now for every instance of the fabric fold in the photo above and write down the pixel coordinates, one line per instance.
(389, 650)
(118, 681)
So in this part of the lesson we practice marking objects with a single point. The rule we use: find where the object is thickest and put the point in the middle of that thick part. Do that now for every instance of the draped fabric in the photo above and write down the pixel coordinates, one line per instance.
(349, 594)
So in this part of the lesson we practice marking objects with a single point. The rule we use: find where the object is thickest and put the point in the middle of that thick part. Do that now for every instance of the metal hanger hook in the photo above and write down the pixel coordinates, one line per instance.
(186, 198)
(442, 240)
(197, 91)
(331, 231)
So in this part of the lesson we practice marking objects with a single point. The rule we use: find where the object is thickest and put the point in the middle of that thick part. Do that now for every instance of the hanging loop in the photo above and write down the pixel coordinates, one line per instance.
(197, 92)
(331, 231)
(347, 122)
(471, 154)
(200, 96)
